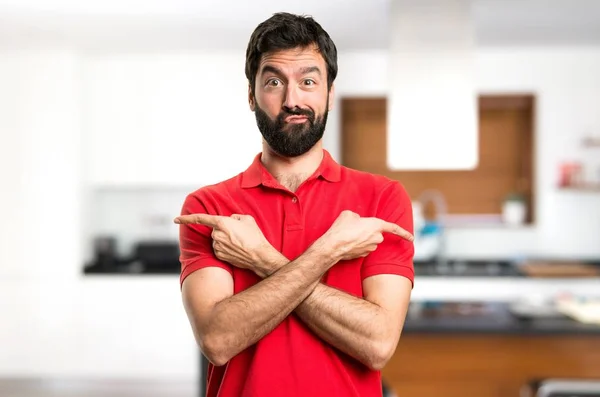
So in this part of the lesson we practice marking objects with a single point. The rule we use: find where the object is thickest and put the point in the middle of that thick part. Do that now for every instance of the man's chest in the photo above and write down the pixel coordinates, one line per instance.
(292, 224)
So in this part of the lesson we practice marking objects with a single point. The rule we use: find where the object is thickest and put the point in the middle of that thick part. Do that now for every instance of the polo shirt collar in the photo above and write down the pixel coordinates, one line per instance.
(329, 169)
(257, 174)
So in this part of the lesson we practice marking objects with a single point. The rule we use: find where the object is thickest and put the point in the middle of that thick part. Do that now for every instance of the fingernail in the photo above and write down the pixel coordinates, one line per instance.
(176, 220)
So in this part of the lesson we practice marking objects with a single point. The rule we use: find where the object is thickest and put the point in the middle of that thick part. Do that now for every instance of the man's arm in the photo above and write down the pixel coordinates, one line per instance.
(225, 324)
(367, 329)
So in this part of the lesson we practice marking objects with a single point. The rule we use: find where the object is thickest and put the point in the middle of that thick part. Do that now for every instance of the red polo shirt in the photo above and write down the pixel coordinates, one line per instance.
(291, 360)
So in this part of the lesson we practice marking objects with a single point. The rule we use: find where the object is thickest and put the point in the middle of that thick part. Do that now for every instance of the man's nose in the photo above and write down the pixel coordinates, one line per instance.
(292, 97)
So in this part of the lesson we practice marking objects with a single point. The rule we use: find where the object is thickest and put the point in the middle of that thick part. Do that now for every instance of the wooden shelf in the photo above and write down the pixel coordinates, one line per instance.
(587, 187)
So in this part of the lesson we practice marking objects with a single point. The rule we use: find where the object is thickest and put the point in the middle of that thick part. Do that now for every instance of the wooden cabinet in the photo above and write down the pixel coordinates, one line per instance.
(487, 365)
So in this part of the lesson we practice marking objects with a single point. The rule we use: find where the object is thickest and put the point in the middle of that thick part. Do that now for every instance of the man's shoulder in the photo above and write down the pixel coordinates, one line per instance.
(366, 179)
(218, 189)
(371, 185)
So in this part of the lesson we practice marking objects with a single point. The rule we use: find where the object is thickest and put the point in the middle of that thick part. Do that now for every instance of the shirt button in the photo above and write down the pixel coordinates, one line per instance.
(294, 200)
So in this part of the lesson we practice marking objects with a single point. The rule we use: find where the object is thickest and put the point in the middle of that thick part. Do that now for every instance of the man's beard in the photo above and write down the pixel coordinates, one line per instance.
(297, 139)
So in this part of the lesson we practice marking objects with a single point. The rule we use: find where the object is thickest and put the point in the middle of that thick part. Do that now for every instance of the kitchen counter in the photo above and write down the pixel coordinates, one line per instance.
(453, 268)
(486, 351)
(500, 268)
(489, 318)
(466, 268)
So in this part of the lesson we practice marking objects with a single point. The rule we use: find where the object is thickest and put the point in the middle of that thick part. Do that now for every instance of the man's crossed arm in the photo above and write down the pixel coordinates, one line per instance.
(225, 324)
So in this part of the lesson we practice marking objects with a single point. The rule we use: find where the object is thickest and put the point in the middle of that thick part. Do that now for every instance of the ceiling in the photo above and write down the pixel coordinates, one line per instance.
(227, 24)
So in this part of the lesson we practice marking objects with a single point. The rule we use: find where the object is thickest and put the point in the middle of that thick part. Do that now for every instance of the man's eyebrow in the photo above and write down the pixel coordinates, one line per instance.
(310, 69)
(304, 70)
(271, 69)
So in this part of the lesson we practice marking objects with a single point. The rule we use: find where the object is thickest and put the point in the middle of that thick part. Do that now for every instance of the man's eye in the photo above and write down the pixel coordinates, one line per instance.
(309, 82)
(274, 82)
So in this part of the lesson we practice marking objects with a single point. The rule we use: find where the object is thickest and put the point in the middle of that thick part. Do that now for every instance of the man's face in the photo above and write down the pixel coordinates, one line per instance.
(291, 100)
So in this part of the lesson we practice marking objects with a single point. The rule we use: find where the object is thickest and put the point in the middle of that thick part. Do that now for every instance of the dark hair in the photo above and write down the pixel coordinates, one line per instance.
(284, 31)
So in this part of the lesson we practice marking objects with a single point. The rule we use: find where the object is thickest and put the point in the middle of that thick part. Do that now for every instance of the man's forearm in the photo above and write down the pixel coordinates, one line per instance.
(353, 325)
(244, 318)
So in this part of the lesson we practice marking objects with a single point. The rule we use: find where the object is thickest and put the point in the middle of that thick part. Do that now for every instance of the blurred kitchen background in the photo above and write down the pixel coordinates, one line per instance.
(112, 112)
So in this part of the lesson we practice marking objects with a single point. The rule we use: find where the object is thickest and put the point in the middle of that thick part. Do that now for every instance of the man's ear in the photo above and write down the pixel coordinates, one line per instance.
(251, 101)
(331, 97)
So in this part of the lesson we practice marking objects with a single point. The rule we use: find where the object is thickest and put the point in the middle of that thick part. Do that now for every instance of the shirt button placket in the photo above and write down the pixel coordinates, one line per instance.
(293, 224)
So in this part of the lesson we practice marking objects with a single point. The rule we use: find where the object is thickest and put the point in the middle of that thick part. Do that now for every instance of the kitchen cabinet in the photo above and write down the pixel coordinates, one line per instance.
(134, 327)
(492, 355)
(105, 327)
(487, 365)
(432, 86)
(167, 120)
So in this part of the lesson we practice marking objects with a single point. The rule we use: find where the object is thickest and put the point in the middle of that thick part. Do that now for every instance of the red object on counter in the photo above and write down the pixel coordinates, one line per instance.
(570, 174)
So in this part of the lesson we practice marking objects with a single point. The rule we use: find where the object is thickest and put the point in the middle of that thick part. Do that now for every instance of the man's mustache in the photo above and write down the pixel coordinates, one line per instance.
(297, 112)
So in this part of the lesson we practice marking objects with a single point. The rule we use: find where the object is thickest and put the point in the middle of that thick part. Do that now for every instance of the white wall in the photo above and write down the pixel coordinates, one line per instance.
(40, 162)
(167, 119)
(54, 322)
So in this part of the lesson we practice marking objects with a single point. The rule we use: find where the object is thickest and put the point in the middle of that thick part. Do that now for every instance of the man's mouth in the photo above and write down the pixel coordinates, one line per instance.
(296, 119)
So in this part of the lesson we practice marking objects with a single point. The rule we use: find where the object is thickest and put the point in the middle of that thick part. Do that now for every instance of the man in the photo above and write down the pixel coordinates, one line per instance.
(296, 273)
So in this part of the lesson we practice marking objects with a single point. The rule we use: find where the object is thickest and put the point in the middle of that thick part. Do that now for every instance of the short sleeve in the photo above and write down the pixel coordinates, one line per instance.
(195, 242)
(395, 254)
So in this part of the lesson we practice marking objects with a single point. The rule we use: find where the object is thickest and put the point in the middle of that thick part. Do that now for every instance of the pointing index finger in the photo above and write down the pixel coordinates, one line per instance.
(395, 229)
(202, 219)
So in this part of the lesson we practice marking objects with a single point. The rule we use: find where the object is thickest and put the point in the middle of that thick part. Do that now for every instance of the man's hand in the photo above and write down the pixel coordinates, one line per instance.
(352, 236)
(236, 240)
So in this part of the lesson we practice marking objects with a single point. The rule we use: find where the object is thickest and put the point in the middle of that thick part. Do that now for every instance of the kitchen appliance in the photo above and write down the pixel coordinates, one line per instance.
(568, 388)
(105, 252)
(157, 256)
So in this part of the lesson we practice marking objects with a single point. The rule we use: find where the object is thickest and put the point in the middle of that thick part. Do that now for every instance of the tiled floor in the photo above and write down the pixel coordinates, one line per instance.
(95, 388)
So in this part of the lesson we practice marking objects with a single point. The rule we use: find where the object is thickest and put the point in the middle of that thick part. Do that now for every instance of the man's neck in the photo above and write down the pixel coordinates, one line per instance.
(291, 172)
